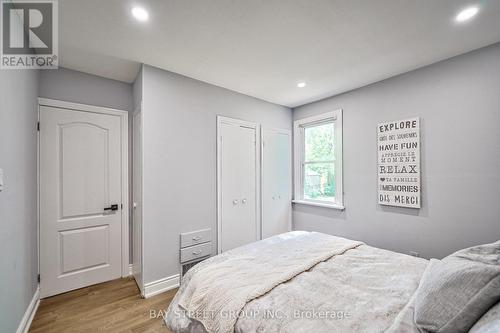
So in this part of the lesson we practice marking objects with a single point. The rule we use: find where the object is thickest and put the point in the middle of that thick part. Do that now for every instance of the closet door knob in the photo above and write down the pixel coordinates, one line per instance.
(235, 201)
(244, 201)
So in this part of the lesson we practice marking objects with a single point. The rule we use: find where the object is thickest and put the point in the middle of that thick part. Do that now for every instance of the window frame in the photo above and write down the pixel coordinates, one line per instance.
(299, 126)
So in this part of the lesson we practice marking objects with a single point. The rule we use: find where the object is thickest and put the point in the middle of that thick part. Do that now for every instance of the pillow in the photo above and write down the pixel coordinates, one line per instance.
(489, 323)
(456, 291)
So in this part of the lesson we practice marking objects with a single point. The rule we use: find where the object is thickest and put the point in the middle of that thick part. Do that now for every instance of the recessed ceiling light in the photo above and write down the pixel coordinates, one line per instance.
(301, 84)
(140, 14)
(467, 14)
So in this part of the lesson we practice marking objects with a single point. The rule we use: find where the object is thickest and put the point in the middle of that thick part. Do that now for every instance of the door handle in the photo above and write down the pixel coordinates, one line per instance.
(235, 201)
(244, 201)
(112, 207)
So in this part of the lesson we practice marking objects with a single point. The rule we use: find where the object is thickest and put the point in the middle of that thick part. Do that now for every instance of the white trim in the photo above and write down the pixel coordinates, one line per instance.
(25, 323)
(262, 161)
(237, 122)
(313, 120)
(161, 285)
(38, 248)
(318, 204)
(125, 195)
(79, 107)
(298, 125)
(125, 172)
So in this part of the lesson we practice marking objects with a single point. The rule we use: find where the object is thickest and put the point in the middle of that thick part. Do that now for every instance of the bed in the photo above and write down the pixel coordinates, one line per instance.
(299, 282)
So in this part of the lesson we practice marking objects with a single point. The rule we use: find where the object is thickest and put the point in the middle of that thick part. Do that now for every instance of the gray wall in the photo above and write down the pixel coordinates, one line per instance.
(458, 101)
(137, 89)
(18, 210)
(73, 86)
(179, 119)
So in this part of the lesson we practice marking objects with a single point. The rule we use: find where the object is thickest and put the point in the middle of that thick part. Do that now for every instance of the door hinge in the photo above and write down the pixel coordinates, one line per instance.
(38, 126)
(38, 278)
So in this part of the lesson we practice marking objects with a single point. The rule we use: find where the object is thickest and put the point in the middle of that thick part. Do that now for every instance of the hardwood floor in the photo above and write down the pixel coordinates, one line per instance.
(114, 306)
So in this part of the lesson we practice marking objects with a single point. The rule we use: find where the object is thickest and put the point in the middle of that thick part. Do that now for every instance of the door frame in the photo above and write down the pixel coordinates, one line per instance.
(263, 161)
(70, 106)
(237, 122)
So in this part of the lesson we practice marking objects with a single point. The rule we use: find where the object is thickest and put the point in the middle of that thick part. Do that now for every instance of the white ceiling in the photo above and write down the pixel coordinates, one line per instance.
(262, 48)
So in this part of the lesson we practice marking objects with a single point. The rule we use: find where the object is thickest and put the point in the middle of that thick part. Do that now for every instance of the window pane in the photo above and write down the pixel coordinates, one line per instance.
(319, 181)
(319, 143)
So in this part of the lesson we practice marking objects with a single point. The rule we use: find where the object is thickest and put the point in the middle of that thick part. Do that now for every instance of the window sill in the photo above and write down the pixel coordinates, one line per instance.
(318, 204)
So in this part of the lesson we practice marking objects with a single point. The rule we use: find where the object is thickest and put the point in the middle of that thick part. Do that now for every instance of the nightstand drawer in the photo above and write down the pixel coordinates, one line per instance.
(195, 252)
(196, 237)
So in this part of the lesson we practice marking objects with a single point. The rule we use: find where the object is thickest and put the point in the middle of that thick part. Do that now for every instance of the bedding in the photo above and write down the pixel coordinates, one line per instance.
(227, 285)
(404, 322)
(355, 288)
(453, 294)
(456, 291)
(489, 322)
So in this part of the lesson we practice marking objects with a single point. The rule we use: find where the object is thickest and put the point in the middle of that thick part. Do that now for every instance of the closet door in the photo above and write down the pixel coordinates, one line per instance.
(276, 182)
(238, 200)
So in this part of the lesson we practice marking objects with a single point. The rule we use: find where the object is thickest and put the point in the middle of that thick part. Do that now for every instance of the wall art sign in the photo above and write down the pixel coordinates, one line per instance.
(399, 163)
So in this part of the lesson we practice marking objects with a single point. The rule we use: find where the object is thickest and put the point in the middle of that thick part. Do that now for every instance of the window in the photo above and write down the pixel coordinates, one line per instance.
(318, 160)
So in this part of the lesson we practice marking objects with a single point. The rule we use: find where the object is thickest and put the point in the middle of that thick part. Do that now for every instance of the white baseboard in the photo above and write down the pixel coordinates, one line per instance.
(161, 285)
(25, 324)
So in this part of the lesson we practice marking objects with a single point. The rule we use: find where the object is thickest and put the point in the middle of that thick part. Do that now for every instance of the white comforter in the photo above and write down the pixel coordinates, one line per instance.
(361, 290)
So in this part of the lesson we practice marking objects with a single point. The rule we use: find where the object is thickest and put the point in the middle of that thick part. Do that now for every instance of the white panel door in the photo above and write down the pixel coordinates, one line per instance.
(276, 182)
(80, 180)
(137, 200)
(238, 221)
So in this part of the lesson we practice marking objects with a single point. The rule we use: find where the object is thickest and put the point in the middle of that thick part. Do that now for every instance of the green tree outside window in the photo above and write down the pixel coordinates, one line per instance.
(319, 162)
